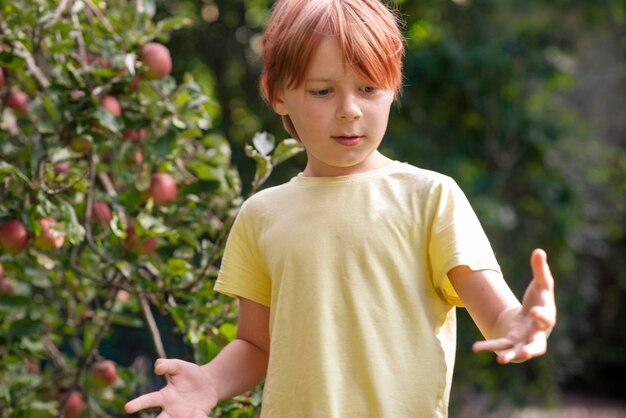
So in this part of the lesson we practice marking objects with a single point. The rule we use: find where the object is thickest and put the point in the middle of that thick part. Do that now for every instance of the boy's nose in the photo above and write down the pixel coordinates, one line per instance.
(349, 109)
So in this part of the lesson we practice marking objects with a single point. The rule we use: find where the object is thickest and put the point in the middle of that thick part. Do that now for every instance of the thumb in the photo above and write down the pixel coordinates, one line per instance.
(541, 270)
(168, 366)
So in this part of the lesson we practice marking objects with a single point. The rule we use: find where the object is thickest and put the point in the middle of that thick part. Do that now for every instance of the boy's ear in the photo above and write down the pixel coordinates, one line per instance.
(279, 105)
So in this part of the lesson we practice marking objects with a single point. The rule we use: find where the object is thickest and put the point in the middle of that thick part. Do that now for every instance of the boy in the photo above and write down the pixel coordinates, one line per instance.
(347, 276)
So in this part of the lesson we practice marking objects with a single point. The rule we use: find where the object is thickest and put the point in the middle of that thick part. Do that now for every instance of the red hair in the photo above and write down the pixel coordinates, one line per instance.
(367, 32)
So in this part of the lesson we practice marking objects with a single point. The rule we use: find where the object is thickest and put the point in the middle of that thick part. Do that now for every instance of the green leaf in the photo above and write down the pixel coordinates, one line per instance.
(151, 223)
(127, 321)
(205, 351)
(203, 171)
(108, 120)
(173, 23)
(228, 330)
(285, 150)
(74, 230)
(263, 165)
(15, 304)
(166, 143)
(51, 109)
(60, 154)
(117, 227)
(43, 260)
(42, 409)
(20, 328)
(177, 266)
(6, 168)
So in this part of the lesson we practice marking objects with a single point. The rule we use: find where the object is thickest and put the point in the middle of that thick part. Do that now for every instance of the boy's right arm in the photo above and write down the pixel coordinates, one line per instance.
(192, 390)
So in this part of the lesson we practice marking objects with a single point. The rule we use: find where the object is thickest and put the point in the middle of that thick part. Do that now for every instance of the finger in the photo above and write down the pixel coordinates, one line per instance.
(149, 400)
(544, 318)
(508, 356)
(497, 344)
(168, 366)
(536, 347)
(541, 269)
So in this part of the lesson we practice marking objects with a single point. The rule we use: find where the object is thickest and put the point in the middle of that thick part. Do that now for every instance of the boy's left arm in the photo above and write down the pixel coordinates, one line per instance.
(517, 332)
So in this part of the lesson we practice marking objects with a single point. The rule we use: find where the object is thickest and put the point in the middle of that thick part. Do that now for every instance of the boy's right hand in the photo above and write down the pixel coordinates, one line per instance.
(190, 393)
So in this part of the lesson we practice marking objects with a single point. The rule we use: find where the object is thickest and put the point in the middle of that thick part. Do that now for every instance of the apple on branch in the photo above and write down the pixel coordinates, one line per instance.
(61, 167)
(48, 238)
(75, 405)
(104, 373)
(136, 135)
(138, 245)
(163, 188)
(13, 236)
(111, 104)
(18, 101)
(157, 59)
(101, 212)
(7, 286)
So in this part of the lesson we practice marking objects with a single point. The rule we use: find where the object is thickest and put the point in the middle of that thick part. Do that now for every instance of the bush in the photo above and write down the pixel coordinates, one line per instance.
(126, 195)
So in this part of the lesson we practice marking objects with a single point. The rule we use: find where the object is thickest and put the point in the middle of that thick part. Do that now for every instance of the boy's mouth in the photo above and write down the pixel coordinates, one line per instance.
(348, 140)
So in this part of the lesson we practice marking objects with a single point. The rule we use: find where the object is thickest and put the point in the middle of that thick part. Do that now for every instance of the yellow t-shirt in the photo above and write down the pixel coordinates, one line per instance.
(353, 268)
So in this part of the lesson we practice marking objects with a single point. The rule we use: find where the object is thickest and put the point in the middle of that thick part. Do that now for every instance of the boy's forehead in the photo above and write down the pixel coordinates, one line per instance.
(327, 61)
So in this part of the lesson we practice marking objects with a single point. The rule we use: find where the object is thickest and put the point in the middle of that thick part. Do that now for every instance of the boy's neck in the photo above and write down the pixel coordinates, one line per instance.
(373, 162)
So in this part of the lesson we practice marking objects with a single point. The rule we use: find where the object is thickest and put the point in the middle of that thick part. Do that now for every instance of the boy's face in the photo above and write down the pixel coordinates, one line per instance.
(339, 117)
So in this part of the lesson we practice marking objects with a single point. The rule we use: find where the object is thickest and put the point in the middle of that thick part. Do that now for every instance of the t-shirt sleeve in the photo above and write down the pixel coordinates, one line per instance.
(243, 272)
(456, 238)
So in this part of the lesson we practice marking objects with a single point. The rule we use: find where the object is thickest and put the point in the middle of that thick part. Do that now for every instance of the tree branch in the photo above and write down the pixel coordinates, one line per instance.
(32, 65)
(152, 326)
(105, 22)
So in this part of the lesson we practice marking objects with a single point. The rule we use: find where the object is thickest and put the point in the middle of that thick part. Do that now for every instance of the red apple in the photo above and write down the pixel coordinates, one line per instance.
(13, 236)
(101, 212)
(104, 372)
(74, 406)
(76, 94)
(111, 104)
(32, 366)
(7, 286)
(136, 135)
(162, 188)
(157, 59)
(61, 167)
(18, 101)
(123, 295)
(138, 245)
(48, 239)
(138, 157)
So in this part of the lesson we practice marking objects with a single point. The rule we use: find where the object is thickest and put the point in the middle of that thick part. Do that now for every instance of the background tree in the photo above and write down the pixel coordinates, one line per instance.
(116, 195)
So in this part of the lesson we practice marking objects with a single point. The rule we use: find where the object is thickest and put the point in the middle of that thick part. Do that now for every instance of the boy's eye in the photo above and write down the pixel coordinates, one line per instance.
(369, 89)
(320, 92)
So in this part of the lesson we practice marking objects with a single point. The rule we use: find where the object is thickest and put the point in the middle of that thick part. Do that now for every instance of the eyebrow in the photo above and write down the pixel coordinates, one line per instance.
(319, 79)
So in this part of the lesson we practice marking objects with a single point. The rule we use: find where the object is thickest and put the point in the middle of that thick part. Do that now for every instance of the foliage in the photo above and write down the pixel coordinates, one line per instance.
(130, 260)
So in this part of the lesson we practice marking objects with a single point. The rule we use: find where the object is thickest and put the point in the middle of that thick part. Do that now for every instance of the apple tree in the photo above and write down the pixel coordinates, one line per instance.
(116, 197)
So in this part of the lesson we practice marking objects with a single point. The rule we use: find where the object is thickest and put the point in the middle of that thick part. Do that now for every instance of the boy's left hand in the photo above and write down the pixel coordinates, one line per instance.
(529, 329)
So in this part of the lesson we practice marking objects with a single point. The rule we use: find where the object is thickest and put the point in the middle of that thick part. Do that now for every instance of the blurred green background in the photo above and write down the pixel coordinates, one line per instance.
(524, 104)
